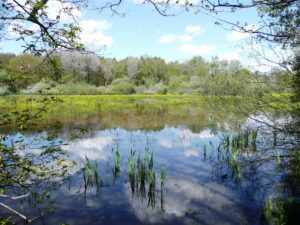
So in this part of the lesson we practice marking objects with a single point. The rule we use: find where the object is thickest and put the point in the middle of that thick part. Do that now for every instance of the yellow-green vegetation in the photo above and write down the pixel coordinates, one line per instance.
(283, 101)
(145, 111)
(114, 110)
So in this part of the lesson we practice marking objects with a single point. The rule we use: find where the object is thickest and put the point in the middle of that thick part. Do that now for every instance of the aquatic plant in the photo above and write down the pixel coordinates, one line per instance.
(246, 135)
(234, 156)
(162, 177)
(151, 190)
(97, 177)
(91, 175)
(268, 209)
(228, 140)
(131, 170)
(117, 162)
(234, 163)
(88, 172)
(253, 139)
(281, 211)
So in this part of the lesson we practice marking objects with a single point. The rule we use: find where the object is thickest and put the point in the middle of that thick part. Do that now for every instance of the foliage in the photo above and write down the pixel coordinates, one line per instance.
(123, 89)
(27, 171)
(76, 88)
(280, 211)
(67, 73)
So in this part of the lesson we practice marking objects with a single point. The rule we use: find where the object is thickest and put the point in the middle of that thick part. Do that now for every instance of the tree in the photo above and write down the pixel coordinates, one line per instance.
(22, 71)
(41, 24)
(132, 68)
(107, 68)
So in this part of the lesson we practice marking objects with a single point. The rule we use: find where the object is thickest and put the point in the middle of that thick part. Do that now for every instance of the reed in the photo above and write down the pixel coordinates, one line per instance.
(253, 139)
(151, 190)
(117, 163)
(162, 177)
(268, 209)
(91, 175)
(131, 170)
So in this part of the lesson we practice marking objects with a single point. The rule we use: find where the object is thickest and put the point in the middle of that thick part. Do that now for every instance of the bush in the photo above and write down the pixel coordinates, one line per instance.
(4, 90)
(77, 88)
(176, 84)
(41, 87)
(158, 88)
(141, 89)
(123, 80)
(125, 88)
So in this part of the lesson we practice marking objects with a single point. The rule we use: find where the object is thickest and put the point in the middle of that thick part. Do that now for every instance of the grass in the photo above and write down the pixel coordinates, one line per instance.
(281, 211)
(243, 139)
(91, 175)
(117, 162)
(162, 178)
(131, 170)
(113, 110)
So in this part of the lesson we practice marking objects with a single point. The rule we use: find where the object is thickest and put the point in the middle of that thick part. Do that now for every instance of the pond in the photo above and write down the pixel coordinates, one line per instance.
(183, 163)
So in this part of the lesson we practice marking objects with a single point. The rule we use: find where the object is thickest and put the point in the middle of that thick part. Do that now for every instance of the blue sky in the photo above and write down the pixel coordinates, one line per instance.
(142, 31)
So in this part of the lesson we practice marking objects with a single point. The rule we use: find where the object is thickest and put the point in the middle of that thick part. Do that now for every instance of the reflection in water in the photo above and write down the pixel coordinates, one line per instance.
(30, 169)
(171, 176)
(92, 148)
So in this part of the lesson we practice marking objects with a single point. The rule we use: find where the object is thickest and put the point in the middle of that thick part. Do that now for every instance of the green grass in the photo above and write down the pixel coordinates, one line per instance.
(91, 175)
(281, 211)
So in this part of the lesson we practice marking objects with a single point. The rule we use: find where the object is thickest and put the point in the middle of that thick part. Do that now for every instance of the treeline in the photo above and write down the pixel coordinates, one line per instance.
(77, 73)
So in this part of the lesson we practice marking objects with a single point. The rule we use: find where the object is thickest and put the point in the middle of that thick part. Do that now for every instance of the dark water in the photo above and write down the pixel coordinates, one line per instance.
(201, 187)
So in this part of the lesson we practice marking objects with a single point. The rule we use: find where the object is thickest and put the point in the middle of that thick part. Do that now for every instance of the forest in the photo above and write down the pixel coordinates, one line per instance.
(79, 73)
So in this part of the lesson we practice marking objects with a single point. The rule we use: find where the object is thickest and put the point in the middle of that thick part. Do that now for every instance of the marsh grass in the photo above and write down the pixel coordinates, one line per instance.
(141, 173)
(279, 211)
(117, 162)
(91, 175)
(162, 177)
(244, 140)
(131, 170)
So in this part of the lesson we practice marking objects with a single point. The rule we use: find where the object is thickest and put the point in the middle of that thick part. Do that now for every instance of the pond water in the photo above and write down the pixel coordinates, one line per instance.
(204, 184)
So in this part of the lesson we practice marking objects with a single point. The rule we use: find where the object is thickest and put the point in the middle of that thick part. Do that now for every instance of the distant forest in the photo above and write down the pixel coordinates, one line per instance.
(77, 73)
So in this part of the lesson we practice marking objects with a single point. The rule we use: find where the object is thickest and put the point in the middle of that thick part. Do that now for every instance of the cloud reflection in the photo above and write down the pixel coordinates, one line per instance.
(93, 148)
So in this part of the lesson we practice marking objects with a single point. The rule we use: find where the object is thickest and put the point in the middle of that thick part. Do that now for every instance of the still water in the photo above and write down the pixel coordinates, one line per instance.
(203, 185)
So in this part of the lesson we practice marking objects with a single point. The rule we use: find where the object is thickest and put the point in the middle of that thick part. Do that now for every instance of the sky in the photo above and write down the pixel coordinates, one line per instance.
(143, 31)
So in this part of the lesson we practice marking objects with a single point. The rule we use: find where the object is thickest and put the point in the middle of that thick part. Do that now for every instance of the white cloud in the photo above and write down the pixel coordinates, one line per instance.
(165, 143)
(196, 49)
(184, 194)
(229, 56)
(171, 38)
(240, 35)
(93, 148)
(191, 152)
(187, 134)
(193, 29)
(92, 33)
(236, 36)
(64, 10)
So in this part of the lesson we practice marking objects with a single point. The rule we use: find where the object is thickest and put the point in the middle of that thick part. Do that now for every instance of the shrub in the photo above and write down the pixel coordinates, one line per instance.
(123, 80)
(158, 88)
(141, 89)
(41, 87)
(4, 90)
(125, 88)
(77, 88)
